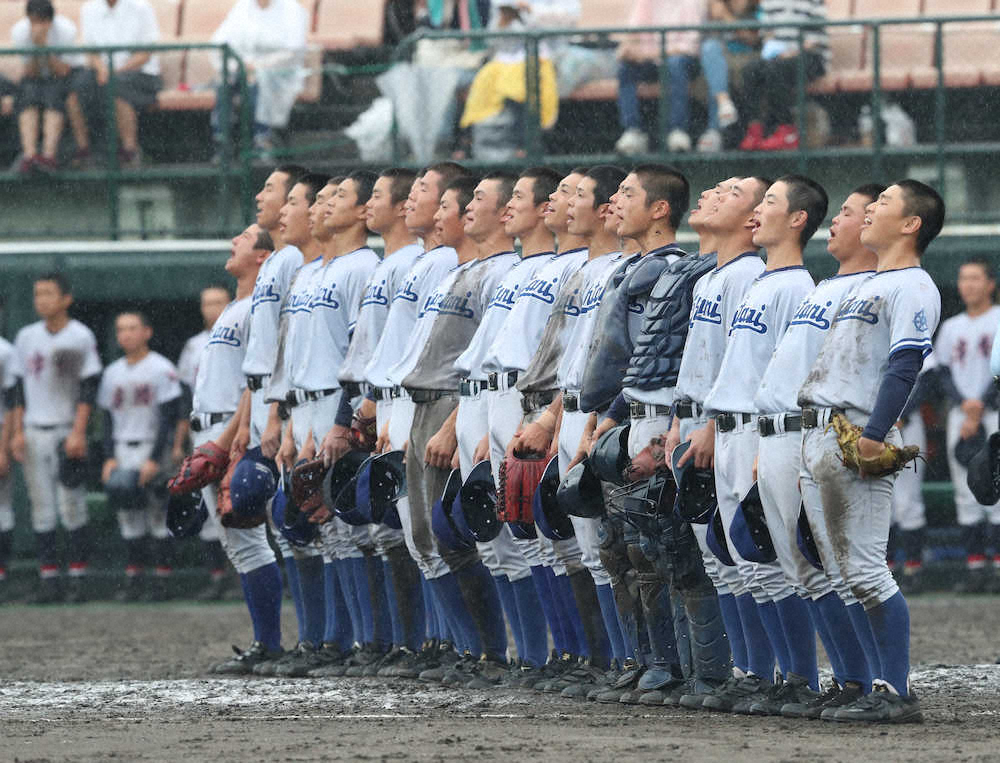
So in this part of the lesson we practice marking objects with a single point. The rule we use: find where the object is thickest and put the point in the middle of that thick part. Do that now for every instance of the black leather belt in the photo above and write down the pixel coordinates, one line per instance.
(726, 422)
(811, 416)
(202, 421)
(319, 394)
(532, 401)
(134, 443)
(687, 409)
(45, 427)
(494, 379)
(571, 402)
(255, 382)
(471, 387)
(639, 410)
(428, 395)
(386, 393)
(351, 389)
(767, 425)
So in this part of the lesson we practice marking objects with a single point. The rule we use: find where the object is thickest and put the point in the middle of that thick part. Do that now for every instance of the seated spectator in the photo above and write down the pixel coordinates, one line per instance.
(41, 93)
(270, 37)
(136, 74)
(770, 83)
(639, 57)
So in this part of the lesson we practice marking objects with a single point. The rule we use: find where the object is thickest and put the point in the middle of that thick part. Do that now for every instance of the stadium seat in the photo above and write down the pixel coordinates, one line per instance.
(347, 24)
(847, 50)
(969, 57)
(903, 49)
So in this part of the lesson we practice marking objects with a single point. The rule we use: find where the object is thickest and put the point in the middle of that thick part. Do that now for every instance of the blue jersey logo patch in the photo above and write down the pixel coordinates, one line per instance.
(504, 297)
(920, 321)
(541, 289)
(225, 335)
(858, 309)
(454, 304)
(264, 293)
(406, 291)
(750, 318)
(812, 314)
(706, 311)
(375, 294)
(324, 297)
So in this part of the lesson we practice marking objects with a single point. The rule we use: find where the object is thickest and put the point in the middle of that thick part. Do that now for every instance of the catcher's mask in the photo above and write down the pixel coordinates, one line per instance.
(186, 514)
(442, 524)
(474, 512)
(552, 521)
(579, 493)
(748, 530)
(609, 459)
(695, 488)
(641, 503)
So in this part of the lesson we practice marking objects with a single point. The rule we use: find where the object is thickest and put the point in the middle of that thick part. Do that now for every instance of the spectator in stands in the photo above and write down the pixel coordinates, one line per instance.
(639, 55)
(769, 84)
(136, 74)
(270, 37)
(44, 84)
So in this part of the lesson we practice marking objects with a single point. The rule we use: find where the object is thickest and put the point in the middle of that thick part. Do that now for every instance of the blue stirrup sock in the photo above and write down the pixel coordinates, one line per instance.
(840, 625)
(734, 630)
(338, 618)
(382, 635)
(391, 606)
(506, 593)
(292, 573)
(547, 600)
(345, 579)
(891, 626)
(771, 621)
(609, 612)
(313, 584)
(572, 622)
(460, 622)
(533, 627)
(760, 653)
(362, 589)
(866, 637)
(263, 595)
(431, 630)
(800, 635)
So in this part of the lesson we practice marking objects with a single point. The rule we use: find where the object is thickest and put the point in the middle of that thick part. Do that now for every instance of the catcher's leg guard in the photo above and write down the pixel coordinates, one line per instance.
(589, 609)
(483, 604)
(408, 593)
(711, 659)
(614, 557)
(658, 612)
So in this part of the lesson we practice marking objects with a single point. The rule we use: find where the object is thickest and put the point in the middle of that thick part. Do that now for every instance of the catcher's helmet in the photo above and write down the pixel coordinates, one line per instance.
(343, 471)
(966, 450)
(475, 510)
(748, 530)
(254, 482)
(580, 493)
(805, 541)
(72, 471)
(186, 514)
(296, 528)
(716, 539)
(695, 488)
(123, 491)
(609, 459)
(444, 527)
(381, 482)
(552, 521)
(983, 477)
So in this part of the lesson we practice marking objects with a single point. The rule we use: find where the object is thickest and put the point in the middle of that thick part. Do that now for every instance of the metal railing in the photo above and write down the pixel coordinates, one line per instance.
(232, 165)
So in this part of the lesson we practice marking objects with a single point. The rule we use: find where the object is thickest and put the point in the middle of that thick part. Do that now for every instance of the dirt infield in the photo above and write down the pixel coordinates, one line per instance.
(127, 682)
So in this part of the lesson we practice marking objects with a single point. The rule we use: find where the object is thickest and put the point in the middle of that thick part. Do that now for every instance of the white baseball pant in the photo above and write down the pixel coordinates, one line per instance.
(52, 503)
(151, 518)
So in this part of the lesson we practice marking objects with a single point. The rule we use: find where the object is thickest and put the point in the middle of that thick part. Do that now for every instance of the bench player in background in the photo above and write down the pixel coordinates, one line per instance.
(58, 372)
(7, 385)
(140, 399)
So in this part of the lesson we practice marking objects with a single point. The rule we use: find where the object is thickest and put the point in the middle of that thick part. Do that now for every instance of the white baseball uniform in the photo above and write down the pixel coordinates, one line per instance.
(133, 393)
(7, 380)
(51, 367)
(187, 363)
(891, 311)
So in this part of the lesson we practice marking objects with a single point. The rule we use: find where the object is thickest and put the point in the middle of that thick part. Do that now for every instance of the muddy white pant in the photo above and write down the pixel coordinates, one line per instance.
(382, 536)
(586, 529)
(856, 511)
(52, 503)
(149, 518)
(247, 548)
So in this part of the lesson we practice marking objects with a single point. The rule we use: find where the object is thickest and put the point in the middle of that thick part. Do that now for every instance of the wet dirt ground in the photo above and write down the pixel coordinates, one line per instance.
(100, 682)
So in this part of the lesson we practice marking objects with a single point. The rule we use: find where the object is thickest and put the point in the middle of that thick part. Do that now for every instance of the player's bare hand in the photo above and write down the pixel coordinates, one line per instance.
(4, 463)
(455, 462)
(382, 443)
(702, 448)
(148, 471)
(973, 408)
(335, 444)
(603, 426)
(868, 448)
(270, 438)
(76, 445)
(17, 447)
(970, 426)
(534, 438)
(240, 443)
(482, 452)
(177, 455)
(308, 451)
(440, 448)
(285, 458)
(109, 466)
(670, 441)
(755, 460)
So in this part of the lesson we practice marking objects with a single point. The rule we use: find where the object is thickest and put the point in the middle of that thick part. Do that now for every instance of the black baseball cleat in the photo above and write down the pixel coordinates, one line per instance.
(297, 663)
(695, 698)
(270, 667)
(331, 662)
(460, 672)
(793, 690)
(849, 694)
(881, 706)
(488, 672)
(243, 662)
(813, 707)
(76, 590)
(728, 697)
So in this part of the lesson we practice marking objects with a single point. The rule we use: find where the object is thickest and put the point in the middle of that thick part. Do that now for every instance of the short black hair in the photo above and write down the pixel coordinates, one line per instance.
(59, 279)
(143, 318)
(581, 170)
(806, 195)
(763, 183)
(364, 181)
(402, 179)
(216, 287)
(923, 201)
(664, 183)
(41, 10)
(607, 178)
(465, 186)
(294, 172)
(984, 263)
(545, 181)
(264, 241)
(314, 182)
(506, 180)
(448, 172)
(871, 190)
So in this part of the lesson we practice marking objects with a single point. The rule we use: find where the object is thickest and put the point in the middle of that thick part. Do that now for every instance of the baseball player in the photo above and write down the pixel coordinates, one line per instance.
(866, 367)
(139, 397)
(963, 348)
(508, 357)
(218, 393)
(779, 461)
(522, 218)
(8, 382)
(448, 322)
(394, 409)
(786, 218)
(58, 371)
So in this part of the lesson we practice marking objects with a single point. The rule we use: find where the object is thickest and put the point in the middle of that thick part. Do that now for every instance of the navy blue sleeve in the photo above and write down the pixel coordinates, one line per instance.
(13, 397)
(904, 366)
(344, 413)
(88, 389)
(990, 395)
(107, 436)
(948, 386)
(618, 412)
(169, 413)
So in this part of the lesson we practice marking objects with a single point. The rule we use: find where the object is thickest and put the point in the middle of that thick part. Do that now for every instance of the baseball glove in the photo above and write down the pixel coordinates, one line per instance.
(206, 465)
(364, 433)
(520, 474)
(647, 462)
(307, 490)
(889, 461)
(228, 517)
